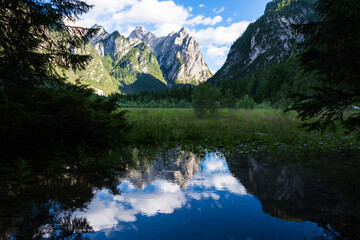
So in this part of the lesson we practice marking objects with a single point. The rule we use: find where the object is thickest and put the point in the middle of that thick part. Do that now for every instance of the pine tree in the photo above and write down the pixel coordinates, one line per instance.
(34, 39)
(332, 53)
(40, 114)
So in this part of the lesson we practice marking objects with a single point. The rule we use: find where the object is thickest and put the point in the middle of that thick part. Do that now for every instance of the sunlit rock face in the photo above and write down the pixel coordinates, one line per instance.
(178, 54)
(269, 40)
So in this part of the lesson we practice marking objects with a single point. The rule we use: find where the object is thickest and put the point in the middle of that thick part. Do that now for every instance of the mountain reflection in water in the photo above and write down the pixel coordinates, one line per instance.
(179, 195)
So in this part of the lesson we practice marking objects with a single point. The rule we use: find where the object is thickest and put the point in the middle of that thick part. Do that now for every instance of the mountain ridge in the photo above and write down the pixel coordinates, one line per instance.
(269, 40)
(178, 54)
(143, 62)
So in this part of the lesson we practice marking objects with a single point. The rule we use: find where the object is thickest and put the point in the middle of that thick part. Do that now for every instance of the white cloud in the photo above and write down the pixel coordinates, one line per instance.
(204, 21)
(216, 41)
(165, 16)
(220, 35)
(161, 12)
(220, 10)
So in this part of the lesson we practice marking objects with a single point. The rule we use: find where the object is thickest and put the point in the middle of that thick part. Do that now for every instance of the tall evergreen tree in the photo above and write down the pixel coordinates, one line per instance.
(34, 38)
(39, 113)
(332, 52)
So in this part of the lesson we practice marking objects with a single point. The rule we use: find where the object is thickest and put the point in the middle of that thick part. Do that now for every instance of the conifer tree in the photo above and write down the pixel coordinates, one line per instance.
(34, 38)
(332, 52)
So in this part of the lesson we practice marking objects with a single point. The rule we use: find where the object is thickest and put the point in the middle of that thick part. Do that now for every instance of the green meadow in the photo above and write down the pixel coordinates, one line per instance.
(233, 129)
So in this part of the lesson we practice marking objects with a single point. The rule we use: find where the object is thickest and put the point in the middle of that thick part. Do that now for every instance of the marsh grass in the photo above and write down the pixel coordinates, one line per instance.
(254, 130)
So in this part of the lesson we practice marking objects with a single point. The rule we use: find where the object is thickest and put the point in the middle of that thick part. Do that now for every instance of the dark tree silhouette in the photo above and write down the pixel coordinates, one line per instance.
(332, 52)
(39, 112)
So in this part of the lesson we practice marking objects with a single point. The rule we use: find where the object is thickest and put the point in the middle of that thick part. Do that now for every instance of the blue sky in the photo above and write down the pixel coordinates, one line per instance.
(214, 24)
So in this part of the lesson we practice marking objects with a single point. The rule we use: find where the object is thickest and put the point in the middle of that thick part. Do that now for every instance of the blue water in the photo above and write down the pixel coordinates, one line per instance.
(188, 199)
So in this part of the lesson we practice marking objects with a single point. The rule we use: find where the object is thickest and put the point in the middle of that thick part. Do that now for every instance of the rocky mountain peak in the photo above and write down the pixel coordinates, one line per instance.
(141, 29)
(140, 34)
(100, 35)
(184, 30)
(177, 56)
(180, 58)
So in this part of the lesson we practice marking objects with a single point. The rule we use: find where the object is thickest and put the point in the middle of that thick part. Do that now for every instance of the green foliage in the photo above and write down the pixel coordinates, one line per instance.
(274, 85)
(95, 74)
(246, 102)
(20, 174)
(246, 131)
(280, 5)
(206, 100)
(34, 40)
(41, 116)
(170, 98)
(135, 72)
(332, 53)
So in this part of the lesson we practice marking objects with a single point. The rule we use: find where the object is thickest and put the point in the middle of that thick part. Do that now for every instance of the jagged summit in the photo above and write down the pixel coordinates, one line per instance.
(157, 62)
(141, 28)
(184, 30)
(178, 54)
(180, 58)
(140, 34)
(99, 36)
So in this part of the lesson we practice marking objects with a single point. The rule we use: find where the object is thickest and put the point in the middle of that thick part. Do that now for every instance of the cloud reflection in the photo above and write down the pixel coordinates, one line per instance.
(162, 196)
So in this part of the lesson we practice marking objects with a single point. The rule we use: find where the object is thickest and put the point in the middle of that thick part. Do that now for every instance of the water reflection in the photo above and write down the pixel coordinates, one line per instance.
(163, 188)
(177, 194)
(188, 197)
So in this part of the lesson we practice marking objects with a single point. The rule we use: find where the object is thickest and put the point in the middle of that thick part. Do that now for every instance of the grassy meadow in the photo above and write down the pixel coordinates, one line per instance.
(249, 130)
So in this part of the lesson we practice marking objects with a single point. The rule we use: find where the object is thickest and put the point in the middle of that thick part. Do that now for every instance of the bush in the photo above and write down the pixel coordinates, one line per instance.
(206, 100)
(246, 102)
(264, 105)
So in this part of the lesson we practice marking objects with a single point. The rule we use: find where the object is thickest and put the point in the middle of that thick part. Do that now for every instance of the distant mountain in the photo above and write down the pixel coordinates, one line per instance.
(140, 34)
(134, 67)
(141, 62)
(178, 54)
(269, 40)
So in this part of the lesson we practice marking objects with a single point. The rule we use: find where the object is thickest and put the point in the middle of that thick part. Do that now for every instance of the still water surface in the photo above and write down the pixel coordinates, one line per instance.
(182, 195)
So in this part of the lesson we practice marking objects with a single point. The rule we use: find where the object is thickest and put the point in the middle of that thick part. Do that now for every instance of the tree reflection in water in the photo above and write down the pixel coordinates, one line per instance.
(65, 200)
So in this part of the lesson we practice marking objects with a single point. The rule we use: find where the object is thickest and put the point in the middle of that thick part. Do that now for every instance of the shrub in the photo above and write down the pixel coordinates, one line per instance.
(246, 102)
(206, 100)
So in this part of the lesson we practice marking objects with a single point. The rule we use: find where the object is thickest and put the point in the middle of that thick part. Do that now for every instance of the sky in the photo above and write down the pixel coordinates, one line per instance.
(214, 24)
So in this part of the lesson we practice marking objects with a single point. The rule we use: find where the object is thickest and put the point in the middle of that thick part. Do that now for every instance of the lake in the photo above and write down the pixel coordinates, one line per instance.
(178, 194)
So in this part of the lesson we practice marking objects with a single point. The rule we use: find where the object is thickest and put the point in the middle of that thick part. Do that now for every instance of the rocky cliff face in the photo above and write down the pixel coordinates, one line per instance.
(178, 54)
(143, 62)
(133, 66)
(269, 40)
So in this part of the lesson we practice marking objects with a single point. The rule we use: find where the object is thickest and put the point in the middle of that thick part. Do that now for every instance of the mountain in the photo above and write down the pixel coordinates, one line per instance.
(178, 54)
(95, 74)
(133, 66)
(141, 62)
(140, 34)
(269, 40)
